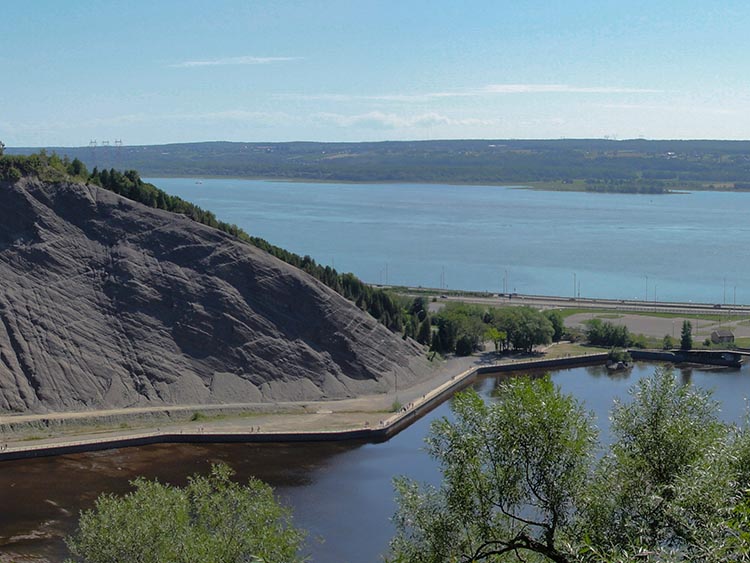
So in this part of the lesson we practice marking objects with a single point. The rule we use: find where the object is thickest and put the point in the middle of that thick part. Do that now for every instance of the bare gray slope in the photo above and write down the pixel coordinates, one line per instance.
(107, 303)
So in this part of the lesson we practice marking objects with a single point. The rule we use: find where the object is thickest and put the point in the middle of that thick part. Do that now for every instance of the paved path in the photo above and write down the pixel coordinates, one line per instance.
(354, 418)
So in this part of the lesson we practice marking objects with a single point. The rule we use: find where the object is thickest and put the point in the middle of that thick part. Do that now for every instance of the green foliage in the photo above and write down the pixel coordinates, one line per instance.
(558, 325)
(520, 328)
(424, 336)
(495, 336)
(530, 449)
(464, 345)
(604, 333)
(619, 355)
(460, 321)
(420, 308)
(523, 477)
(211, 519)
(523, 327)
(686, 338)
(667, 343)
(669, 478)
(444, 339)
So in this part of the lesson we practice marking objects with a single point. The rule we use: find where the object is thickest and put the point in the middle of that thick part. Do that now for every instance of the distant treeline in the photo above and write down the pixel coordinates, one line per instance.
(638, 166)
(377, 302)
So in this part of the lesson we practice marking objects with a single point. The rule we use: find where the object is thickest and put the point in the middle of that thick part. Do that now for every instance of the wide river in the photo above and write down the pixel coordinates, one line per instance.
(676, 247)
(340, 492)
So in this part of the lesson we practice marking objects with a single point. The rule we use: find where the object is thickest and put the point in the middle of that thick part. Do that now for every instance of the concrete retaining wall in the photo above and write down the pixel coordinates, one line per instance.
(390, 427)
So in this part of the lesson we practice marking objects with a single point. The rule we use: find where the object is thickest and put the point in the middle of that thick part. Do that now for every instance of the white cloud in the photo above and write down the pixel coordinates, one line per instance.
(246, 60)
(684, 109)
(488, 90)
(381, 120)
(562, 89)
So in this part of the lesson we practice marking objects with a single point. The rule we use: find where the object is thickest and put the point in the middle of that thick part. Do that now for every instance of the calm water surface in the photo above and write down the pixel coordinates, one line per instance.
(679, 247)
(341, 493)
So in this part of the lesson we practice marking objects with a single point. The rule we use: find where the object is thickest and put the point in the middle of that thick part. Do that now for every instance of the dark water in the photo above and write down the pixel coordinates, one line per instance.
(341, 493)
(679, 247)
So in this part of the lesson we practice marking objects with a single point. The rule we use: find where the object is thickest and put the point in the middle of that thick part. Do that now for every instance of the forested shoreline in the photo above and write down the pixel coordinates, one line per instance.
(599, 165)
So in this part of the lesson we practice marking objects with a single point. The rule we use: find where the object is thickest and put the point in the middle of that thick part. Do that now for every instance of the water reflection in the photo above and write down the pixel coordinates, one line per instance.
(341, 492)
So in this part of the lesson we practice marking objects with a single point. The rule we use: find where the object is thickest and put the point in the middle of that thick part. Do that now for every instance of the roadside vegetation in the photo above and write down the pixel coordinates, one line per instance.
(463, 328)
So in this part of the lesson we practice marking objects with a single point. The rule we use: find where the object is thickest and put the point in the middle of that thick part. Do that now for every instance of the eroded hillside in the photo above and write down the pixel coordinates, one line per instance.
(107, 303)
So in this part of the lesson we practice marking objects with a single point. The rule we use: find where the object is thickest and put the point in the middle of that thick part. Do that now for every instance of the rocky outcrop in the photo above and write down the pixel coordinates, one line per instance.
(106, 303)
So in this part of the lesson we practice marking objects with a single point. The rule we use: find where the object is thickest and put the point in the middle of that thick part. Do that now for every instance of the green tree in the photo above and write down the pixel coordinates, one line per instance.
(667, 343)
(524, 477)
(419, 307)
(2, 148)
(495, 336)
(211, 519)
(464, 346)
(604, 333)
(686, 339)
(424, 336)
(670, 476)
(558, 325)
(532, 449)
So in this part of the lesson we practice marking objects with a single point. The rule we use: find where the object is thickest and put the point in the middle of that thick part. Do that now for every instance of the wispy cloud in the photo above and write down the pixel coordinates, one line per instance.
(683, 109)
(246, 60)
(381, 120)
(488, 90)
(563, 89)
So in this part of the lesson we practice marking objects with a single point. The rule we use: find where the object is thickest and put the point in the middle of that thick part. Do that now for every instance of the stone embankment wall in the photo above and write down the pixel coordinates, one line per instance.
(387, 429)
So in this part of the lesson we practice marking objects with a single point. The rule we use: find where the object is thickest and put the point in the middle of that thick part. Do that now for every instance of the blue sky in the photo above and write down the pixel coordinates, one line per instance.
(158, 71)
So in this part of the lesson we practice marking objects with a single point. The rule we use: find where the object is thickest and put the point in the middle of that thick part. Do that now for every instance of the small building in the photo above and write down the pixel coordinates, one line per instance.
(722, 336)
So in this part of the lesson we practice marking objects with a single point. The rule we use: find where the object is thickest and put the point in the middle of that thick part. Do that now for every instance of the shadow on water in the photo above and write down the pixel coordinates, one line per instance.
(41, 497)
(340, 492)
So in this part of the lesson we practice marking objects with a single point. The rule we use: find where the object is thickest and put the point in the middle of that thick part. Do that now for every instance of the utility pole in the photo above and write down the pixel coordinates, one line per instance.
(574, 285)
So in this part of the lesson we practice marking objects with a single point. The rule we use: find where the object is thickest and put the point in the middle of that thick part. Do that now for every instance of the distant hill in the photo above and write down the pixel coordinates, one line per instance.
(590, 164)
(108, 303)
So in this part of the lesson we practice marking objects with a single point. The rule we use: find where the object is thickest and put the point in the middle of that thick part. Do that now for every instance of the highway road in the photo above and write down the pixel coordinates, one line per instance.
(556, 302)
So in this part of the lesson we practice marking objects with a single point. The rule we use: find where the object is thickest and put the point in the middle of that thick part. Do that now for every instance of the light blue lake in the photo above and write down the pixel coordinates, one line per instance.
(678, 247)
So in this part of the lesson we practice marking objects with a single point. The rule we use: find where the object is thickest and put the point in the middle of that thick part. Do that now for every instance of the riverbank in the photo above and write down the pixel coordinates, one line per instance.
(364, 419)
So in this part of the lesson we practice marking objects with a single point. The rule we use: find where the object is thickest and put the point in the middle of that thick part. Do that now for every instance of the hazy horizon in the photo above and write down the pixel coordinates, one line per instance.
(169, 72)
(364, 141)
